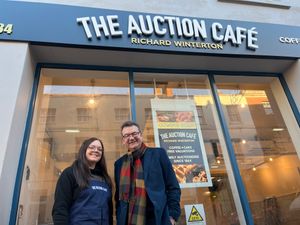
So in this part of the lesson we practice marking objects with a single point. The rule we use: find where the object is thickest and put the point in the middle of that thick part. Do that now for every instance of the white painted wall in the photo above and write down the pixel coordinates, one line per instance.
(292, 77)
(16, 81)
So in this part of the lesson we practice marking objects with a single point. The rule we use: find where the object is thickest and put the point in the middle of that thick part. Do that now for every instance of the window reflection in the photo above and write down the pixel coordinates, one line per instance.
(266, 154)
(64, 116)
(73, 105)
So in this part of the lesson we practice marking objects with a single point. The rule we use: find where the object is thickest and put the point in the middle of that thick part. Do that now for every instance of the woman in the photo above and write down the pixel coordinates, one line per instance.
(83, 192)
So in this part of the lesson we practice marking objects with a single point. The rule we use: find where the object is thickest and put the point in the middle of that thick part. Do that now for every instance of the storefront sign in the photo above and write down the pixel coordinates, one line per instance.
(52, 24)
(167, 27)
(6, 28)
(290, 40)
(177, 130)
(194, 214)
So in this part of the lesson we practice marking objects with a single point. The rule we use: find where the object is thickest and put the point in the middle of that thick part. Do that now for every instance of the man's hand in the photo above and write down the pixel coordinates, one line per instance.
(173, 222)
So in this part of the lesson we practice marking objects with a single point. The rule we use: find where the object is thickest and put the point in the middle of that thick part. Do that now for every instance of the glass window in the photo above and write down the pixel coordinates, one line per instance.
(122, 114)
(267, 107)
(220, 199)
(73, 105)
(84, 114)
(82, 104)
(233, 113)
(47, 115)
(265, 144)
(201, 115)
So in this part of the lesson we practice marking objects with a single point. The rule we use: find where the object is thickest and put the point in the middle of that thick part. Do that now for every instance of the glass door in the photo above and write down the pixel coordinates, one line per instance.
(183, 93)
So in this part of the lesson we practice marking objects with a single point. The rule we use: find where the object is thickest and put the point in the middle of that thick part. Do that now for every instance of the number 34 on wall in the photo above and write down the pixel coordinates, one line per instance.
(8, 28)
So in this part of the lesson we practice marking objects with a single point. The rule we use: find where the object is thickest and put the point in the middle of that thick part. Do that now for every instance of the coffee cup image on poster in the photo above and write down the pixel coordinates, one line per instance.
(177, 130)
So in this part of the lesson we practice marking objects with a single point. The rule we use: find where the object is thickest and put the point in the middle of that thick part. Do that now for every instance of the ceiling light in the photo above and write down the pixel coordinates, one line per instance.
(72, 131)
(277, 129)
(92, 101)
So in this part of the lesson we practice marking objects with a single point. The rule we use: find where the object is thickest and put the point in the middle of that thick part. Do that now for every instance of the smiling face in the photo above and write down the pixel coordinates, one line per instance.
(132, 138)
(94, 153)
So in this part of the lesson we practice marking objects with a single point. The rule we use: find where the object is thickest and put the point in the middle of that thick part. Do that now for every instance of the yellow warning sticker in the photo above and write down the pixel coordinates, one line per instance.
(195, 215)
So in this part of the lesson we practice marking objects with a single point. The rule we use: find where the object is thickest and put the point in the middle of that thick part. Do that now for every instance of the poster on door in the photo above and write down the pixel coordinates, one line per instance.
(177, 130)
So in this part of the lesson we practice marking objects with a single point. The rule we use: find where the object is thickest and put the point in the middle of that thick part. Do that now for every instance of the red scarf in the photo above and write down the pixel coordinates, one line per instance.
(132, 186)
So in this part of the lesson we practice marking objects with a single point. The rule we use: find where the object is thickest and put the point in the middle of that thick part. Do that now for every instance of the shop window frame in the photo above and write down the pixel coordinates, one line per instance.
(131, 71)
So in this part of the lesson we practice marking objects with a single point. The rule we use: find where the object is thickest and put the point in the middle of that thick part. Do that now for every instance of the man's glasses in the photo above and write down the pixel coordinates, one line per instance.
(133, 134)
(95, 148)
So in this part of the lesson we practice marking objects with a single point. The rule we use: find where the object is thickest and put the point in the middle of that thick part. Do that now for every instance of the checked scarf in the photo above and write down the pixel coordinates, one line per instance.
(132, 186)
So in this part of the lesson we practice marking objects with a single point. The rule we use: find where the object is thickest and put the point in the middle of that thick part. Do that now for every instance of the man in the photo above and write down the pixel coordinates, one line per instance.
(147, 191)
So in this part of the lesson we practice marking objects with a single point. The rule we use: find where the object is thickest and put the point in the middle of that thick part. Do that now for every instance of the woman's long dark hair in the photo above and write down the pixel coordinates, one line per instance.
(81, 168)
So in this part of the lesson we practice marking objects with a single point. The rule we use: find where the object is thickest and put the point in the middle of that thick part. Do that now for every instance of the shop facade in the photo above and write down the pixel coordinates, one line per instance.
(224, 91)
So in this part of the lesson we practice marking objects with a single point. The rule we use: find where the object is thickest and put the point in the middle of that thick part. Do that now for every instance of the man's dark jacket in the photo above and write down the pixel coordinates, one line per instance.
(161, 185)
